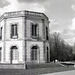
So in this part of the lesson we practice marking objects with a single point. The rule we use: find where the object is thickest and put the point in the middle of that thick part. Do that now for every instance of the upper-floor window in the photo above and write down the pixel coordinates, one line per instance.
(47, 33)
(0, 33)
(14, 32)
(34, 30)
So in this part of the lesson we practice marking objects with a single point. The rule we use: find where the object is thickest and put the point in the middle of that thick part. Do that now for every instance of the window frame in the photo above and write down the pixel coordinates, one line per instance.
(34, 30)
(47, 33)
(1, 33)
(0, 53)
(14, 32)
(14, 54)
(34, 53)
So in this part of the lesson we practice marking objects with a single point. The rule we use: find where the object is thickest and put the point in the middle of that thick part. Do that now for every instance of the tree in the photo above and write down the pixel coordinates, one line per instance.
(59, 49)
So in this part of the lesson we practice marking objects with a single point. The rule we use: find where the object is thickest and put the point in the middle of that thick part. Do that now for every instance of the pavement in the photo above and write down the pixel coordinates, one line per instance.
(62, 73)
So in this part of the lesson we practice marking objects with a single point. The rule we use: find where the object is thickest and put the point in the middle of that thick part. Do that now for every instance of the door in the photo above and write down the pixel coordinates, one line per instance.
(14, 55)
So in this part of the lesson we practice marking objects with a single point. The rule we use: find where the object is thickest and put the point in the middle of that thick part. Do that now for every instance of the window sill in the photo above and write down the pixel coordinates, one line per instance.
(34, 37)
(14, 37)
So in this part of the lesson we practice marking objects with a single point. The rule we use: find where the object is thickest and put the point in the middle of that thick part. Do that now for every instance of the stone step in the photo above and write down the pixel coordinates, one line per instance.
(12, 66)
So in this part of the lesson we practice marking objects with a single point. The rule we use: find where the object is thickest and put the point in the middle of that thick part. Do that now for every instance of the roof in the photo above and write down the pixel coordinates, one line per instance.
(22, 13)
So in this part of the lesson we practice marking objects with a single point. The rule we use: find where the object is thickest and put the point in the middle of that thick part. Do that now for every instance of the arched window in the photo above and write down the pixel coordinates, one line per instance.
(14, 53)
(34, 53)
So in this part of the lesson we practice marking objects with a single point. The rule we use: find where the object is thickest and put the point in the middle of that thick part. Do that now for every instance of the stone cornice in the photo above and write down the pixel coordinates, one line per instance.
(22, 13)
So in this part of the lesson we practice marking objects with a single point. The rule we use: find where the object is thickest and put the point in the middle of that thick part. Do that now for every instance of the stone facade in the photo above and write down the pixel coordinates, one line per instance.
(24, 38)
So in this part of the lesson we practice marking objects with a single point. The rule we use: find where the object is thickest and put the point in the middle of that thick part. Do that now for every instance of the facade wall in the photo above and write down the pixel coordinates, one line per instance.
(8, 41)
(46, 25)
(24, 42)
(47, 45)
(2, 41)
(20, 22)
(28, 27)
(2, 23)
(21, 51)
(28, 51)
(2, 52)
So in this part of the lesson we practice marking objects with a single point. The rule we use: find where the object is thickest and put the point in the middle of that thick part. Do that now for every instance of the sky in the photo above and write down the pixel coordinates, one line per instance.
(61, 14)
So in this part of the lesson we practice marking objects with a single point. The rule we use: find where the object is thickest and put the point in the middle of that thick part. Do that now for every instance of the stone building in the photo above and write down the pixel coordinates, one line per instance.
(23, 39)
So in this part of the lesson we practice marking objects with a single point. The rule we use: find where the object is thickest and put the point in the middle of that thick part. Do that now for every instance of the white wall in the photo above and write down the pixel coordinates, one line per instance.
(2, 25)
(28, 27)
(20, 42)
(2, 41)
(2, 52)
(47, 45)
(28, 50)
(21, 50)
(20, 22)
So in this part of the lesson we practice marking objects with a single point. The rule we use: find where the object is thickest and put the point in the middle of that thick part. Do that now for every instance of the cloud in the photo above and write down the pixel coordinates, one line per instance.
(73, 7)
(11, 7)
(72, 27)
(3, 3)
(70, 41)
(60, 12)
(16, 6)
(69, 33)
(69, 36)
(56, 26)
(32, 1)
(65, 30)
(31, 7)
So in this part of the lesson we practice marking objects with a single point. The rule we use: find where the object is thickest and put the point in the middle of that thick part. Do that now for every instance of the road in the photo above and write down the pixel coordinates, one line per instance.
(62, 73)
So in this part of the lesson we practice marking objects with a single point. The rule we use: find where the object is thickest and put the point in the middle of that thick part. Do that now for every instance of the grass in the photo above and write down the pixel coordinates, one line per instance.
(35, 71)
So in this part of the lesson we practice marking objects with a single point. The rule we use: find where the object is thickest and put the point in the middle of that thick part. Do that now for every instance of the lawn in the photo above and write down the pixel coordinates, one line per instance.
(35, 71)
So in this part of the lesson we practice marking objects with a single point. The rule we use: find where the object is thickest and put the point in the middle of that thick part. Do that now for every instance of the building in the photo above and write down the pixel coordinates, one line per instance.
(73, 48)
(23, 39)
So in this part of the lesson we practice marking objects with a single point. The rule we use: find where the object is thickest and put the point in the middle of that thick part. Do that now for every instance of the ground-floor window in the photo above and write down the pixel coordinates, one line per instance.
(47, 55)
(0, 52)
(14, 53)
(34, 53)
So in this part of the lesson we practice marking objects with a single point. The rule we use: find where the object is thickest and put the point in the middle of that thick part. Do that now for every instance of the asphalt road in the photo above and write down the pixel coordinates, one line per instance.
(62, 73)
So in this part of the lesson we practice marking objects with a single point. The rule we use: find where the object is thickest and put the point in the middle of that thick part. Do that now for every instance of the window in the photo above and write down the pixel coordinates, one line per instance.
(14, 53)
(34, 30)
(14, 33)
(1, 33)
(34, 53)
(0, 53)
(46, 33)
(47, 55)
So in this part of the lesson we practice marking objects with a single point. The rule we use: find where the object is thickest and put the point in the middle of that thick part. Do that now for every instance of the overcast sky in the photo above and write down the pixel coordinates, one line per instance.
(61, 14)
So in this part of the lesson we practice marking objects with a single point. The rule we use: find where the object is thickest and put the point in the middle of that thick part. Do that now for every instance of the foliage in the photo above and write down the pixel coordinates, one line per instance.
(59, 49)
